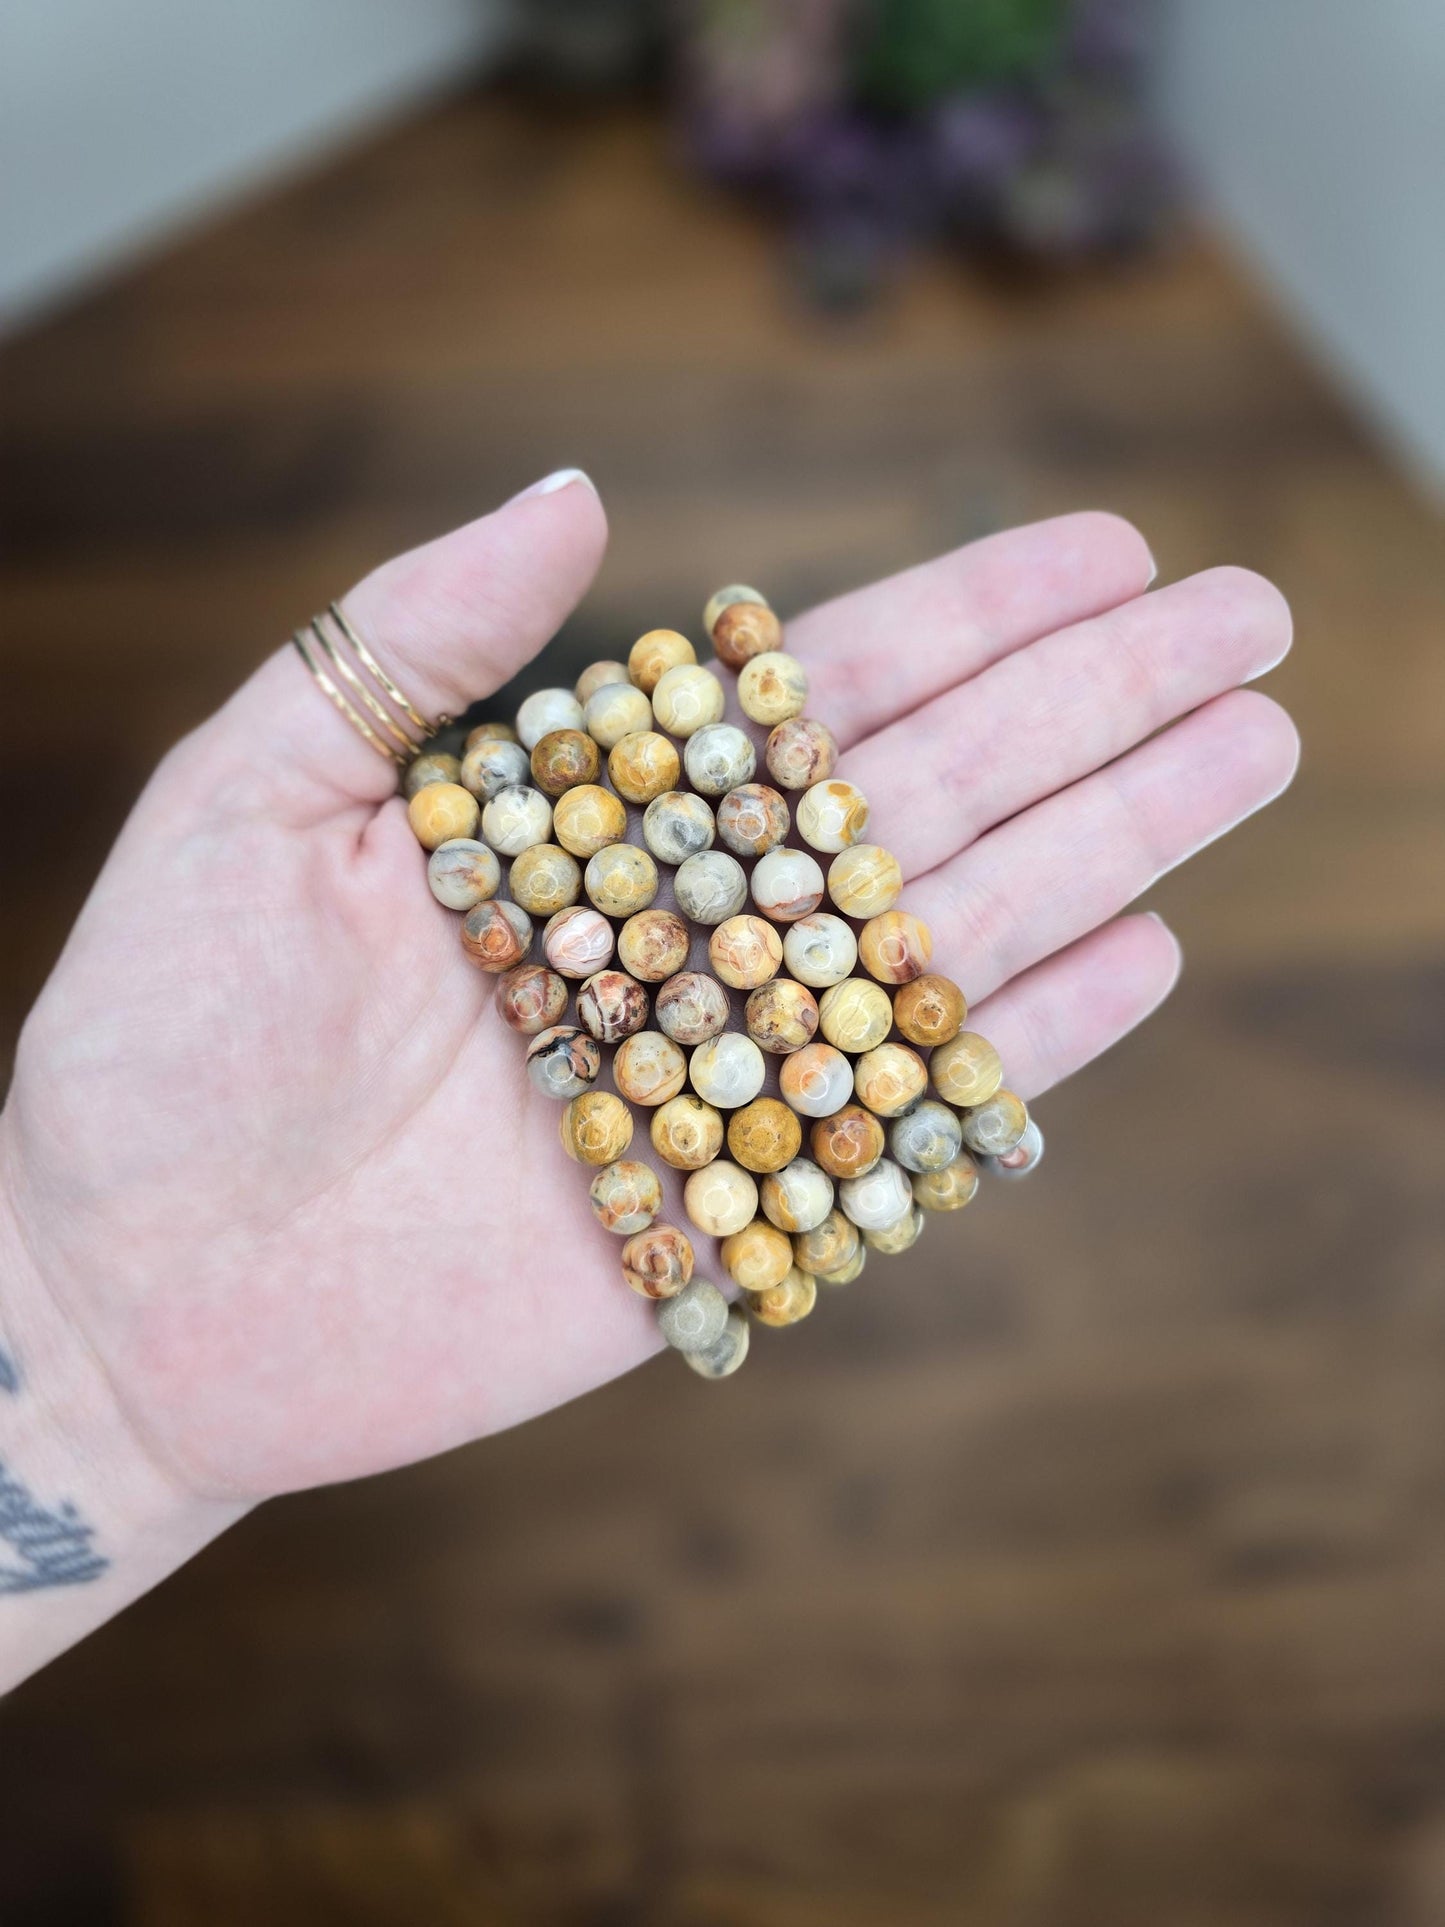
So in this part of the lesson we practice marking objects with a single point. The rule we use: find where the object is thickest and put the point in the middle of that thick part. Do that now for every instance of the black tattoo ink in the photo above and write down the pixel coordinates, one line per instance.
(9, 1373)
(49, 1548)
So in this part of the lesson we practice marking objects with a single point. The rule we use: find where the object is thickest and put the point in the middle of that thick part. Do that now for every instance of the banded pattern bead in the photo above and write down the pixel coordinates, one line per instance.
(847, 1143)
(781, 1016)
(855, 1015)
(832, 816)
(752, 819)
(787, 884)
(929, 1010)
(710, 887)
(727, 1070)
(865, 880)
(531, 998)
(649, 1068)
(798, 1197)
(993, 1128)
(949, 1189)
(621, 880)
(658, 1262)
(895, 946)
(496, 935)
(492, 765)
(686, 699)
(577, 942)
(625, 1196)
(563, 1061)
(653, 945)
(596, 1127)
(890, 1079)
(800, 752)
(787, 1303)
(828, 1247)
(691, 1007)
(966, 1070)
(820, 950)
(642, 765)
(463, 872)
(927, 1137)
(678, 825)
(717, 758)
(587, 819)
(745, 952)
(611, 1005)
(816, 1080)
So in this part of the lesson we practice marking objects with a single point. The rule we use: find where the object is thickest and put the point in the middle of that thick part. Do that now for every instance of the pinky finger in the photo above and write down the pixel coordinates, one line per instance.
(1050, 1021)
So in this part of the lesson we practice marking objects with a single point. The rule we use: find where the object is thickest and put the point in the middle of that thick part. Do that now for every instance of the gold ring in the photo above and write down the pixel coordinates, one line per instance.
(349, 676)
(374, 668)
(353, 716)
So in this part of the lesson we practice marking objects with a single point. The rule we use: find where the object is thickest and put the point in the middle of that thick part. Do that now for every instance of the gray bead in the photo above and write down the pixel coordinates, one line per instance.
(927, 1137)
(695, 1319)
(723, 1357)
(1017, 1163)
(678, 825)
(717, 758)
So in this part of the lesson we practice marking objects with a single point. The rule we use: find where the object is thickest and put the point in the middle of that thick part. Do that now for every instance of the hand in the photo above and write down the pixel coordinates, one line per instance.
(274, 1155)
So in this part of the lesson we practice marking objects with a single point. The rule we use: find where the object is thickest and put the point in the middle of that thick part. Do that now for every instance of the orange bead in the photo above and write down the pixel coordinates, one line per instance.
(930, 1010)
(744, 630)
(895, 946)
(764, 1135)
(563, 759)
(848, 1143)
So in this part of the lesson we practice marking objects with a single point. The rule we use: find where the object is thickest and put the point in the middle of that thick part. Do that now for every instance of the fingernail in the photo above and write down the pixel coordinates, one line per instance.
(1153, 570)
(558, 479)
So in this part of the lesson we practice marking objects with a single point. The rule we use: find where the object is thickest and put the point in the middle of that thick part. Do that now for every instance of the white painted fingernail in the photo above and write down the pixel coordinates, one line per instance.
(1153, 570)
(559, 478)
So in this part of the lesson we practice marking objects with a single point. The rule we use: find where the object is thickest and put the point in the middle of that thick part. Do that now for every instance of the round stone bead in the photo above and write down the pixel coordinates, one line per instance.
(496, 935)
(695, 1320)
(927, 1137)
(658, 1262)
(616, 710)
(828, 1247)
(787, 884)
(800, 752)
(1022, 1159)
(718, 757)
(515, 819)
(721, 1198)
(724, 598)
(588, 818)
(890, 1079)
(744, 630)
(850, 1271)
(563, 1061)
(691, 1007)
(897, 1237)
(686, 1133)
(678, 825)
(879, 1198)
(463, 872)
(832, 816)
(745, 952)
(798, 1197)
(848, 1143)
(626, 1196)
(563, 759)
(441, 812)
(531, 998)
(653, 945)
(993, 1128)
(578, 942)
(895, 947)
(816, 1080)
(652, 655)
(757, 1257)
(949, 1189)
(643, 765)
(435, 766)
(621, 880)
(966, 1070)
(764, 1135)
(710, 887)
(855, 1015)
(781, 1016)
(492, 765)
(544, 711)
(686, 699)
(597, 675)
(930, 1010)
(820, 950)
(727, 1070)
(723, 1357)
(611, 1005)
(772, 688)
(787, 1303)
(596, 1128)
(752, 819)
(545, 879)
(649, 1068)
(489, 732)
(864, 881)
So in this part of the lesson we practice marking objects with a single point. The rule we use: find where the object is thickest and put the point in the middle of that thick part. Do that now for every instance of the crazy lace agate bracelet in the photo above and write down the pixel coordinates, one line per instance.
(800, 1065)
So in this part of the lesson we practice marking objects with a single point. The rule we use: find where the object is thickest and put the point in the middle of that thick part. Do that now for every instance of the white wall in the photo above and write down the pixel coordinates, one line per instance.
(121, 118)
(1316, 128)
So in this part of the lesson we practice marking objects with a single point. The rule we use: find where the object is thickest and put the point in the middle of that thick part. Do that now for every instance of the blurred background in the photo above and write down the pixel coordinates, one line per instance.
(1086, 1569)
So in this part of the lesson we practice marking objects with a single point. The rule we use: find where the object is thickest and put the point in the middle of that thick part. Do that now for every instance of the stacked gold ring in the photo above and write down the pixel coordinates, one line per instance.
(401, 746)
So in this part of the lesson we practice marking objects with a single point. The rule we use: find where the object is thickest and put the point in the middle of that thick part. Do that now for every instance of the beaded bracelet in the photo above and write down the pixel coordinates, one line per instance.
(901, 1104)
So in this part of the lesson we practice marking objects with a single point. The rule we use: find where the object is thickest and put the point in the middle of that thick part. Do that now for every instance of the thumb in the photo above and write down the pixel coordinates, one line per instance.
(448, 623)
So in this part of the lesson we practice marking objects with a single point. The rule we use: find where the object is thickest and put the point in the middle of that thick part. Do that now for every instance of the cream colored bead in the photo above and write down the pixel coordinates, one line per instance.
(489, 732)
(625, 1196)
(691, 1007)
(745, 630)
(848, 1142)
(652, 655)
(895, 947)
(545, 879)
(686, 1133)
(586, 819)
(855, 1015)
(463, 872)
(577, 941)
(727, 1353)
(695, 1320)
(621, 880)
(752, 819)
(544, 711)
(993, 1128)
(966, 1070)
(435, 766)
(727, 1070)
(850, 1271)
(816, 1080)
(686, 699)
(440, 813)
(516, 819)
(895, 1238)
(718, 757)
(721, 1198)
(649, 1068)
(722, 599)
(772, 687)
(832, 816)
(828, 1247)
(800, 752)
(615, 711)
(879, 1198)
(496, 935)
(787, 884)
(781, 1016)
(563, 1062)
(596, 1128)
(653, 945)
(643, 765)
(949, 1189)
(611, 1005)
(820, 950)
(798, 1197)
(493, 765)
(757, 1257)
(710, 887)
(864, 881)
(1023, 1158)
(678, 825)
(927, 1137)
(597, 675)
(929, 1010)
(787, 1303)
(745, 951)
(531, 998)
(890, 1078)
(658, 1262)
(764, 1135)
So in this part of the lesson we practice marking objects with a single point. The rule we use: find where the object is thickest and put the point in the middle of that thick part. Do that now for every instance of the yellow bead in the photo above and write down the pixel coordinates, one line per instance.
(757, 1257)
(562, 759)
(889, 1078)
(745, 951)
(850, 1271)
(649, 1068)
(489, 733)
(828, 1247)
(855, 1015)
(653, 945)
(764, 1135)
(781, 1016)
(625, 1197)
(724, 1356)
(832, 816)
(596, 1128)
(930, 1010)
(721, 1198)
(686, 1133)
(785, 1303)
(652, 655)
(864, 881)
(895, 947)
(643, 765)
(993, 1128)
(848, 1143)
(621, 880)
(772, 688)
(724, 598)
(798, 1197)
(687, 699)
(463, 872)
(588, 818)
(966, 1070)
(658, 1262)
(949, 1189)
(440, 811)
(545, 879)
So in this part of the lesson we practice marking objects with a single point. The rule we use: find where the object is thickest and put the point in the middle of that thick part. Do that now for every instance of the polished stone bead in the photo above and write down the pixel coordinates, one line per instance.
(721, 1198)
(515, 819)
(798, 1197)
(686, 699)
(832, 816)
(531, 998)
(781, 1016)
(625, 1197)
(489, 732)
(786, 1303)
(890, 1079)
(691, 1007)
(757, 1257)
(578, 941)
(616, 710)
(440, 812)
(879, 1198)
(787, 884)
(544, 711)
(710, 887)
(587, 819)
(828, 1247)
(772, 688)
(649, 1068)
(764, 1135)
(895, 1238)
(800, 752)
(658, 1262)
(745, 951)
(855, 1015)
(864, 881)
(463, 872)
(927, 1137)
(611, 1005)
(718, 757)
(597, 675)
(621, 880)
(994, 1127)
(895, 946)
(727, 1070)
(949, 1189)
(930, 1010)
(1023, 1158)
(433, 766)
(752, 819)
(966, 1070)
(496, 935)
(596, 1128)
(492, 765)
(652, 655)
(643, 765)
(563, 1061)
(695, 1320)
(678, 825)
(545, 879)
(847, 1143)
(724, 598)
(728, 1353)
(686, 1133)
(744, 630)
(816, 1080)
(820, 950)
(563, 759)
(653, 945)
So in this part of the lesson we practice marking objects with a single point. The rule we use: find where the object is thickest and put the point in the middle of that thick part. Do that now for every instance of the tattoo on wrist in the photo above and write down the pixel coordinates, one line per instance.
(40, 1546)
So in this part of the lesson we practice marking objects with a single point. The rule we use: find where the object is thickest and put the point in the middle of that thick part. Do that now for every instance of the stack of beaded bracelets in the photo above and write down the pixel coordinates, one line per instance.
(856, 1053)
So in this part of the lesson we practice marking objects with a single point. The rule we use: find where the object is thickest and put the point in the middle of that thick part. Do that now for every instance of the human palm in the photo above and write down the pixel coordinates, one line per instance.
(276, 1156)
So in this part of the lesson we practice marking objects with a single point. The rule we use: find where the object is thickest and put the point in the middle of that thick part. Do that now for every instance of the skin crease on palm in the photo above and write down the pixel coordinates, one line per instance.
(272, 1163)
